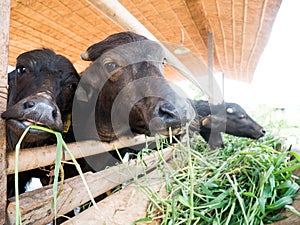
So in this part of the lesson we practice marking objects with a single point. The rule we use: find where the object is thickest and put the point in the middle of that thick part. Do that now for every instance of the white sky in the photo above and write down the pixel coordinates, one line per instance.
(277, 78)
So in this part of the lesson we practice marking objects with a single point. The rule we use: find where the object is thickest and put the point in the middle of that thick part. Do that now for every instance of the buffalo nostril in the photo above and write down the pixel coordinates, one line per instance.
(263, 131)
(54, 113)
(165, 112)
(28, 104)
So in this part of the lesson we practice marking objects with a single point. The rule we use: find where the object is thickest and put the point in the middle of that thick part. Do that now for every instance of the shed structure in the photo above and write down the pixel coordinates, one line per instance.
(241, 29)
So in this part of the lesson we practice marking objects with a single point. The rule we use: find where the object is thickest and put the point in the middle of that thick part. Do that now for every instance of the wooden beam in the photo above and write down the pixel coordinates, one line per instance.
(74, 193)
(124, 206)
(43, 156)
(4, 38)
(115, 11)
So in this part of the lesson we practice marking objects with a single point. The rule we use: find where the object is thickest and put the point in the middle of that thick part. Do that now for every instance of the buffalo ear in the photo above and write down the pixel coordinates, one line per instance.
(206, 122)
(11, 76)
(229, 110)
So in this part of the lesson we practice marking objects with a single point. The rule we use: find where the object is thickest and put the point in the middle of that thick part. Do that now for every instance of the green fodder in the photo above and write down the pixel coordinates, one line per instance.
(247, 182)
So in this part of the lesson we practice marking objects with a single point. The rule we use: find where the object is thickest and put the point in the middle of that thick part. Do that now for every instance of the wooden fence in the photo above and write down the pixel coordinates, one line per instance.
(36, 206)
(123, 207)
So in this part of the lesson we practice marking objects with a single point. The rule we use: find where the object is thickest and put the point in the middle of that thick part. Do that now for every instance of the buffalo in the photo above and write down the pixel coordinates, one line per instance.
(41, 91)
(124, 91)
(235, 121)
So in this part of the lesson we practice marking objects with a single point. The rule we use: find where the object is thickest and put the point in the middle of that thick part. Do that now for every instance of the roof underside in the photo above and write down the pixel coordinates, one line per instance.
(240, 28)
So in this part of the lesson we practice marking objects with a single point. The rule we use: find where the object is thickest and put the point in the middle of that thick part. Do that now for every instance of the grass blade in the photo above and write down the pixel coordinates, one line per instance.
(280, 203)
(81, 174)
(240, 200)
(17, 152)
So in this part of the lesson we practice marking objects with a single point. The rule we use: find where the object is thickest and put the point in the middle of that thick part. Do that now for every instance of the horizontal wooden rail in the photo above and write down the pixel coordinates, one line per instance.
(43, 156)
(36, 206)
(124, 206)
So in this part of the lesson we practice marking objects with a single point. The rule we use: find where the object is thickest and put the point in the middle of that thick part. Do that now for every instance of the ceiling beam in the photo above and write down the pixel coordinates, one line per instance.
(115, 11)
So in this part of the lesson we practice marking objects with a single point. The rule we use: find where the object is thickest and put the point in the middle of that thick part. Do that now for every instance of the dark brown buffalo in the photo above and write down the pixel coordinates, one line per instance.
(126, 90)
(235, 122)
(41, 91)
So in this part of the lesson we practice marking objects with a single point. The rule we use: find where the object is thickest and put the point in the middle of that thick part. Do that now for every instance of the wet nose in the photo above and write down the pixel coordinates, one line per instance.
(167, 113)
(263, 131)
(47, 109)
(39, 109)
(181, 114)
(43, 111)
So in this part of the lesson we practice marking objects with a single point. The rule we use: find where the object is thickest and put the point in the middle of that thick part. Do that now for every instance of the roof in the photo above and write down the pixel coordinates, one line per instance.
(240, 28)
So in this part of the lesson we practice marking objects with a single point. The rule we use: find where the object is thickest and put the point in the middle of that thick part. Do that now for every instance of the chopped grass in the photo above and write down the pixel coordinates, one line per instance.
(247, 182)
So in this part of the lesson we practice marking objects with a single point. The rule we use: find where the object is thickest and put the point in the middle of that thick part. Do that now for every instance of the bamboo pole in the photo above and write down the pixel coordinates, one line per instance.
(43, 156)
(4, 38)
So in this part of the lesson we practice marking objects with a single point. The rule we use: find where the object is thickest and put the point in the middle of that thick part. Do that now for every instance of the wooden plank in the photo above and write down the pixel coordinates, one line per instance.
(4, 38)
(38, 21)
(36, 206)
(123, 207)
(43, 156)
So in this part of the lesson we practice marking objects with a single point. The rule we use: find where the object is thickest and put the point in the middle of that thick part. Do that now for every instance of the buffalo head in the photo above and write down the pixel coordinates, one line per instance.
(41, 91)
(239, 123)
(126, 88)
(231, 119)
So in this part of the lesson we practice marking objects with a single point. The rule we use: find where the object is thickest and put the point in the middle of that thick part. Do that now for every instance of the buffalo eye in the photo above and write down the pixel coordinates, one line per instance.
(21, 69)
(242, 116)
(111, 66)
(72, 87)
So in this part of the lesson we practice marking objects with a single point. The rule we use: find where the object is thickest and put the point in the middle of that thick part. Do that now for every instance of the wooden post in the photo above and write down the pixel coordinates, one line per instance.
(4, 37)
(210, 47)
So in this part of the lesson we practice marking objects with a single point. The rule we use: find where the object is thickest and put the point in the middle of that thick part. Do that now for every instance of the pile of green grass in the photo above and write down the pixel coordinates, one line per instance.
(247, 182)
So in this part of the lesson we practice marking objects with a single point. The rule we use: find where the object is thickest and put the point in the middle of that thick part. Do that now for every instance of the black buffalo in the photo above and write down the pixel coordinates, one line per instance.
(41, 91)
(126, 88)
(234, 122)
